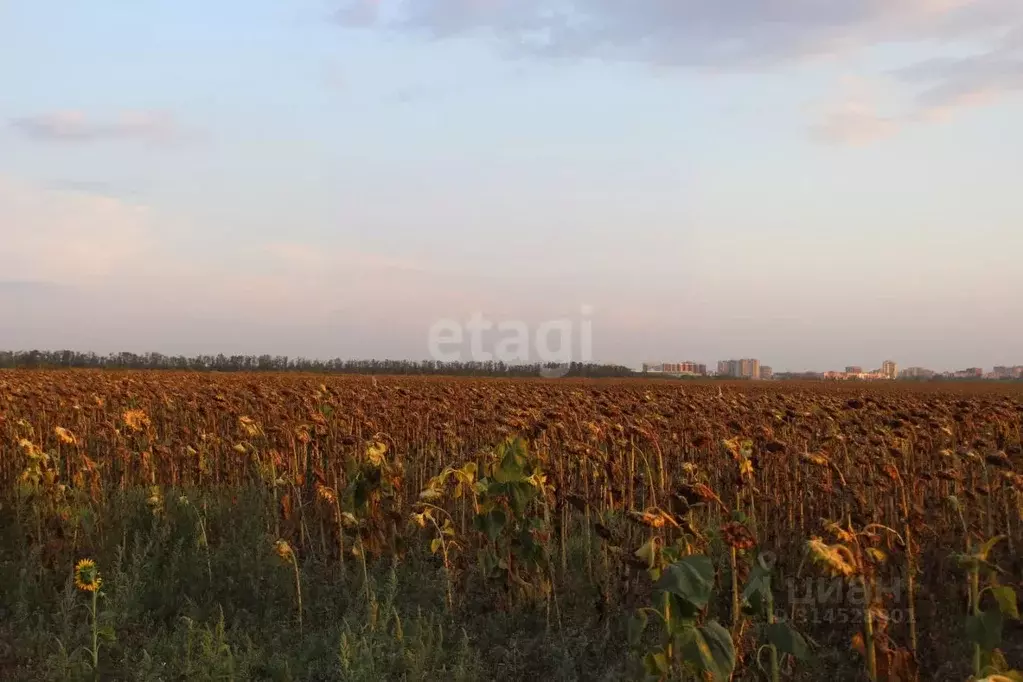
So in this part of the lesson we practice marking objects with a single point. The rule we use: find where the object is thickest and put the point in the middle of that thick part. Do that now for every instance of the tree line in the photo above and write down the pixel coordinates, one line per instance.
(41, 359)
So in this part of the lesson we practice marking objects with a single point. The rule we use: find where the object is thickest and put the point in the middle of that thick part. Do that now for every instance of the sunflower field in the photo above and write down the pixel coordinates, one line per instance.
(163, 525)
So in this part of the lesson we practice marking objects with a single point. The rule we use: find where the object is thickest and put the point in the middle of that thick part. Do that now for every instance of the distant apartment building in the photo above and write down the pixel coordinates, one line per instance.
(860, 376)
(971, 373)
(766, 372)
(889, 369)
(681, 368)
(693, 368)
(1003, 372)
(747, 368)
(916, 373)
(751, 369)
(854, 369)
(655, 367)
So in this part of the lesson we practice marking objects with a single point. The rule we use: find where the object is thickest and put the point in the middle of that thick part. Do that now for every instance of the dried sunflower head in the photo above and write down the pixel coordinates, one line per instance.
(155, 500)
(284, 550)
(65, 436)
(136, 420)
(651, 518)
(737, 536)
(325, 494)
(375, 452)
(816, 458)
(834, 560)
(250, 427)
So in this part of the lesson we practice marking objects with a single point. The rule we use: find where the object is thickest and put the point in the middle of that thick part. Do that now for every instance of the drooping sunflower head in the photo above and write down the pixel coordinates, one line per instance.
(325, 494)
(816, 458)
(136, 420)
(833, 558)
(738, 536)
(65, 436)
(283, 550)
(431, 494)
(155, 500)
(249, 426)
(87, 577)
(375, 452)
(31, 449)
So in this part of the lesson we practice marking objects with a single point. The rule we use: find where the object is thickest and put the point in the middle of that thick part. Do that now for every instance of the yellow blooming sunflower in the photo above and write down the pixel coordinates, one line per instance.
(87, 577)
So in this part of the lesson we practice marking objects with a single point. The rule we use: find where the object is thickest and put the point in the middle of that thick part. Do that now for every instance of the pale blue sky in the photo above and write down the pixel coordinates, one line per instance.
(815, 184)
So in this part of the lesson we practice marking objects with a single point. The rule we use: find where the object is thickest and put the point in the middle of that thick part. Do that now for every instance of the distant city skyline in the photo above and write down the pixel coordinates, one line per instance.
(889, 369)
(747, 367)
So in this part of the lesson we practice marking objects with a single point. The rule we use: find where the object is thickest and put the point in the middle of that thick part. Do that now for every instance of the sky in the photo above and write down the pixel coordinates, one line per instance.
(815, 183)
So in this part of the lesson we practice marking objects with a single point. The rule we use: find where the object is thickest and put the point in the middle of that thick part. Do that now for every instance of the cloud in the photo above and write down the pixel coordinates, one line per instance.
(856, 125)
(357, 13)
(852, 116)
(928, 91)
(746, 35)
(946, 84)
(122, 255)
(75, 126)
(68, 236)
(737, 33)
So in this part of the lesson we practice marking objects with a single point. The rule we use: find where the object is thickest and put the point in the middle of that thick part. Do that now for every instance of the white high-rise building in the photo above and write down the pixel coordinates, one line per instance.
(889, 369)
(747, 368)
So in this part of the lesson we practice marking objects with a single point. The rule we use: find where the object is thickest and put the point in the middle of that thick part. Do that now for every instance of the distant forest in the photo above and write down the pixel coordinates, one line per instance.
(37, 359)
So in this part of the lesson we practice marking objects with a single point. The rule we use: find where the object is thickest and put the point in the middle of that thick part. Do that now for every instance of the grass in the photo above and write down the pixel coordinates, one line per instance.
(173, 622)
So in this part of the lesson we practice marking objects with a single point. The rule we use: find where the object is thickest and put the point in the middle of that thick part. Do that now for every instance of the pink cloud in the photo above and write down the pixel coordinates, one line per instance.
(70, 236)
(76, 126)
